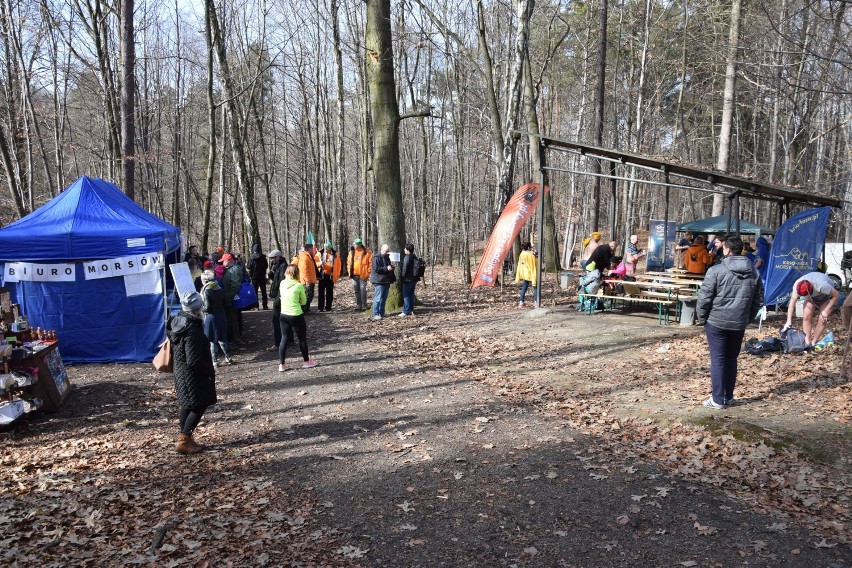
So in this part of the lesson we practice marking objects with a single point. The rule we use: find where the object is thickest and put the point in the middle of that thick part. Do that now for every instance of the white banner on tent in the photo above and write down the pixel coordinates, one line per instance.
(33, 272)
(123, 266)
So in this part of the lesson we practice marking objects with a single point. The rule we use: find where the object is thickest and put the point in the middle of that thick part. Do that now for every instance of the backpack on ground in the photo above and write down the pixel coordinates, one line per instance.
(793, 340)
(419, 268)
(763, 346)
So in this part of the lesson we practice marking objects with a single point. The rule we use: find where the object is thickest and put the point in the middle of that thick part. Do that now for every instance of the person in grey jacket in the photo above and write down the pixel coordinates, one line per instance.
(730, 297)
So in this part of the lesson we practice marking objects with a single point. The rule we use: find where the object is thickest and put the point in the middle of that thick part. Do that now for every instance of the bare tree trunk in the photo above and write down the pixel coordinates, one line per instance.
(600, 105)
(244, 184)
(211, 148)
(550, 247)
(340, 157)
(728, 102)
(9, 167)
(491, 98)
(385, 115)
(515, 85)
(128, 102)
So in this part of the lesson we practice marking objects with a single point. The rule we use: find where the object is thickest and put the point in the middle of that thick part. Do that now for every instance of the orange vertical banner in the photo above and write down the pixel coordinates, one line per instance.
(520, 207)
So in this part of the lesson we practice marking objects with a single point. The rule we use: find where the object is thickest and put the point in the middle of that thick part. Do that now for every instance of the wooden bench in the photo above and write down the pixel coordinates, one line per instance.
(633, 294)
(662, 314)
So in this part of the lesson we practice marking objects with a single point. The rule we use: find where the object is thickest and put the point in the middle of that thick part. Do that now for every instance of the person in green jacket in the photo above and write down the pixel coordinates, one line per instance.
(232, 279)
(293, 299)
(526, 273)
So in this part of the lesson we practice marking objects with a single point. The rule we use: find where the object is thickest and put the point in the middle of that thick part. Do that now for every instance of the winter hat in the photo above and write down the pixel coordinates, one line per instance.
(327, 244)
(208, 264)
(190, 301)
(804, 288)
(596, 235)
(359, 242)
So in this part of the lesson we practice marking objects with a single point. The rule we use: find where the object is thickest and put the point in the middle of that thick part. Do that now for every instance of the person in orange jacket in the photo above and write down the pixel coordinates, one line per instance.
(697, 258)
(359, 264)
(328, 267)
(307, 274)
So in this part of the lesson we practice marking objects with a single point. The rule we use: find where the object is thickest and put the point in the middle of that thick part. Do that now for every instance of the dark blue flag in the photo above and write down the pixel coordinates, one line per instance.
(795, 251)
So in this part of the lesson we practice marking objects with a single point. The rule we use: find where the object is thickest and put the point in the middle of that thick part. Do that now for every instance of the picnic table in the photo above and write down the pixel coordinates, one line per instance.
(662, 295)
(690, 283)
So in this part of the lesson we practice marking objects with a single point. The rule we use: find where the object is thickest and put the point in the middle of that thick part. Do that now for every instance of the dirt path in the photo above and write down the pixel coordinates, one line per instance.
(474, 436)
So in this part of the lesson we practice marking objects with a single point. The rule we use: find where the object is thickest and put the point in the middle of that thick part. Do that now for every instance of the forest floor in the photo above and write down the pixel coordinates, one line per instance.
(473, 434)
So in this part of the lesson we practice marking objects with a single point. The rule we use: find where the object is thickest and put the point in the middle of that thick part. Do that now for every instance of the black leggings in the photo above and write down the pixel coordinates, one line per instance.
(189, 419)
(289, 324)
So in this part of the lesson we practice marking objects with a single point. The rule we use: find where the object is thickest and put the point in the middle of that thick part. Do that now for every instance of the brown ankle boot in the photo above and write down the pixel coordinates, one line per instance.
(186, 445)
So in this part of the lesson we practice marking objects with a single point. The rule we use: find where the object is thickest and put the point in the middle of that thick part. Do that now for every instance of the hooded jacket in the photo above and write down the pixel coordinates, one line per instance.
(527, 269)
(307, 268)
(360, 262)
(328, 265)
(213, 297)
(257, 265)
(697, 259)
(292, 297)
(731, 294)
(195, 376)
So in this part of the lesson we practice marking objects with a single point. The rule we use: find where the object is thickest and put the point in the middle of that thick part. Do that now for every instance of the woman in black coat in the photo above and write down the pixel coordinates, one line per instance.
(195, 376)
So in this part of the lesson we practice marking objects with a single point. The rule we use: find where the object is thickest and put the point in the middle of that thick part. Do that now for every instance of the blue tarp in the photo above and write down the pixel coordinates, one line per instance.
(95, 320)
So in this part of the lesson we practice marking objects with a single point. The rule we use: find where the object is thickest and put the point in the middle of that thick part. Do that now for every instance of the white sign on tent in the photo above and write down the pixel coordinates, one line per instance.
(32, 272)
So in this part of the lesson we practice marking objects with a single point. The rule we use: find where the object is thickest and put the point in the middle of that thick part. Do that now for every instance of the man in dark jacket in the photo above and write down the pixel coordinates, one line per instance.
(257, 267)
(730, 297)
(409, 280)
(602, 256)
(381, 277)
(276, 274)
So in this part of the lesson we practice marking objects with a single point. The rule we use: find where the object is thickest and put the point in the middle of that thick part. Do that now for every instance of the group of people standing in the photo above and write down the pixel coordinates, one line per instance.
(696, 255)
(209, 322)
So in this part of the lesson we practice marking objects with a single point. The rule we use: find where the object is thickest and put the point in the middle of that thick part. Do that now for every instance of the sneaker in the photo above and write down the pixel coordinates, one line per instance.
(309, 364)
(215, 363)
(403, 314)
(229, 360)
(272, 348)
(282, 367)
(377, 318)
(710, 404)
(729, 401)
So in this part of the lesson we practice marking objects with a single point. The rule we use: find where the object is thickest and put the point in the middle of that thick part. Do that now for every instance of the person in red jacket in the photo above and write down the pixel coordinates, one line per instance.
(328, 268)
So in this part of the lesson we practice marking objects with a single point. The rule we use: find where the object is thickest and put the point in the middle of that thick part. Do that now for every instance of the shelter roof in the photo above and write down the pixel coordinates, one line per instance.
(715, 179)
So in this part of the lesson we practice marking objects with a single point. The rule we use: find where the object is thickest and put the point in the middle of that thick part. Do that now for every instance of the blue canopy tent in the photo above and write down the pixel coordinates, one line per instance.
(96, 319)
(720, 224)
